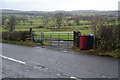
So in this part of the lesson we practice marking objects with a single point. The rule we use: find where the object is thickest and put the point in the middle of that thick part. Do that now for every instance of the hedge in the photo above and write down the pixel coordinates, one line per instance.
(16, 35)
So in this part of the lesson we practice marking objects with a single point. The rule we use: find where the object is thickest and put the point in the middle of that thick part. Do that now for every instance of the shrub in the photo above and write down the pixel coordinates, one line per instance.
(107, 38)
(16, 35)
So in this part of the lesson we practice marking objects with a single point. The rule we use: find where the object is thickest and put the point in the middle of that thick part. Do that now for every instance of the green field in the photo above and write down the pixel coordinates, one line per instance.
(65, 33)
(56, 35)
(36, 30)
(60, 35)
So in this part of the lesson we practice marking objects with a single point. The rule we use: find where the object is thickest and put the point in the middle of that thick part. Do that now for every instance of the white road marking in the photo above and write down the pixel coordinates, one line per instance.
(21, 62)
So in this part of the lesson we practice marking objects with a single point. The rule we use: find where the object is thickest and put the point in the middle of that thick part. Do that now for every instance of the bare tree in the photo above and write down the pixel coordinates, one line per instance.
(45, 19)
(11, 22)
(31, 22)
(3, 20)
(76, 19)
(24, 19)
(58, 19)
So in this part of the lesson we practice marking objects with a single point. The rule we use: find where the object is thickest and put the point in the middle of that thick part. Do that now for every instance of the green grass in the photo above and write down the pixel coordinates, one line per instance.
(36, 30)
(57, 35)
(43, 42)
(26, 26)
(37, 21)
(81, 21)
(46, 42)
(75, 27)
(86, 31)
(22, 29)
(115, 53)
(62, 35)
(3, 30)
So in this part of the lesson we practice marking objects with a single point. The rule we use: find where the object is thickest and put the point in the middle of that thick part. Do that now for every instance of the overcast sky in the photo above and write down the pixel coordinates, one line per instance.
(52, 5)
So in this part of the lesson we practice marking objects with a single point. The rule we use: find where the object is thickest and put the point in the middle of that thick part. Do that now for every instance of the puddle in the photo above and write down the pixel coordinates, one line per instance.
(40, 47)
(64, 51)
(58, 41)
(104, 76)
(41, 67)
(61, 41)
(37, 47)
(59, 62)
(28, 70)
(60, 74)
(54, 44)
(54, 41)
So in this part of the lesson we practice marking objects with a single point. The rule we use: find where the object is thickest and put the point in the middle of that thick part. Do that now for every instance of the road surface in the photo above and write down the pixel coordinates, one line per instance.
(38, 62)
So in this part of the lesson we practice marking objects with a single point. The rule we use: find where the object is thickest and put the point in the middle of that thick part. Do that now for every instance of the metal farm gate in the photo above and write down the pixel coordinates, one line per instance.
(63, 39)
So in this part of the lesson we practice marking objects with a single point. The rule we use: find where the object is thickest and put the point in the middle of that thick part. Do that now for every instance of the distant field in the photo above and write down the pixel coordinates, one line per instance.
(37, 21)
(27, 26)
(76, 27)
(36, 30)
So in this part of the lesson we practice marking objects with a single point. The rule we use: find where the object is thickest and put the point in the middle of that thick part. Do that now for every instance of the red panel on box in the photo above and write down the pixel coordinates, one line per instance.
(83, 41)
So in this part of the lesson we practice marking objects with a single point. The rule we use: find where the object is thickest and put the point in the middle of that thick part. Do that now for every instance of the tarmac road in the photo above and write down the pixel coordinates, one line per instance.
(38, 62)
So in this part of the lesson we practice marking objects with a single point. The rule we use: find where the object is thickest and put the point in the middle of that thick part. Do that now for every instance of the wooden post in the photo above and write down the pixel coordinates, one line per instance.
(42, 38)
(51, 38)
(30, 30)
(78, 38)
(68, 39)
(31, 36)
(59, 39)
(74, 41)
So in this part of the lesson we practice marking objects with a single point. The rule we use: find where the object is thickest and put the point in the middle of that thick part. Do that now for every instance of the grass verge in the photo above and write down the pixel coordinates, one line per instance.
(25, 43)
(115, 53)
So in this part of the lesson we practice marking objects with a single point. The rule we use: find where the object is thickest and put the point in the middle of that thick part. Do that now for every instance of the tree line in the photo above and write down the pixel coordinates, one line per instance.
(57, 19)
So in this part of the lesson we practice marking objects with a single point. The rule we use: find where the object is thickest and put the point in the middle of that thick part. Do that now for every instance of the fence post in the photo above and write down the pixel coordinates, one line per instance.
(68, 39)
(74, 41)
(51, 38)
(42, 38)
(31, 34)
(30, 30)
(76, 38)
(58, 39)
